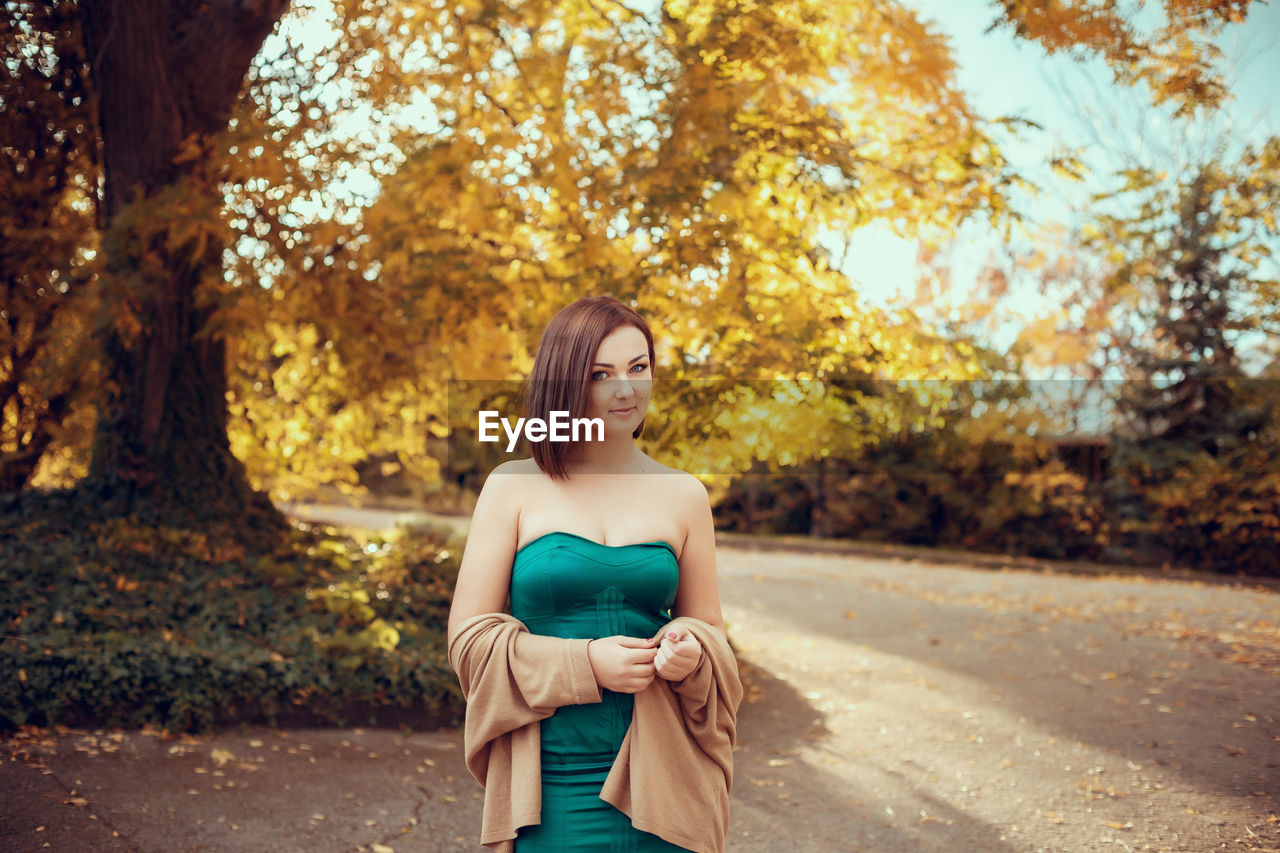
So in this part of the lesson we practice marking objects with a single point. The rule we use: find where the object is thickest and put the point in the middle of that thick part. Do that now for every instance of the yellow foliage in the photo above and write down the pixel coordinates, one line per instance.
(410, 199)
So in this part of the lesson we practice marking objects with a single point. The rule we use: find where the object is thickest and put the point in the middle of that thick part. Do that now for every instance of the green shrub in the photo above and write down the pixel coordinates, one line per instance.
(112, 622)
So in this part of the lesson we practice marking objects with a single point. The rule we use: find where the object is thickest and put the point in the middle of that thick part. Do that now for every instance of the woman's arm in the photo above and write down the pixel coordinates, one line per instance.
(484, 577)
(698, 594)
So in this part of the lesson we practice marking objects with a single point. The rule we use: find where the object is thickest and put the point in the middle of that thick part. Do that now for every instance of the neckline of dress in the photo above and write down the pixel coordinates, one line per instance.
(659, 542)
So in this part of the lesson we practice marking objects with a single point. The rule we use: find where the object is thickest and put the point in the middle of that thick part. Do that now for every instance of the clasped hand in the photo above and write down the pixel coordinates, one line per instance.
(628, 664)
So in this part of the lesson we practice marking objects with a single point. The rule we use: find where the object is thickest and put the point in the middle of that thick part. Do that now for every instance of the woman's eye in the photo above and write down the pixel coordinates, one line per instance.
(598, 375)
(640, 366)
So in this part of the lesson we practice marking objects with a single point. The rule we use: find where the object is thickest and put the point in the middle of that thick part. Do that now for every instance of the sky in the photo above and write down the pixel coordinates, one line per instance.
(1003, 75)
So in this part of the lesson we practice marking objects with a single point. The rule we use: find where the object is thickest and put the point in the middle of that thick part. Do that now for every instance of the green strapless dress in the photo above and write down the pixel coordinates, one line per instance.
(564, 585)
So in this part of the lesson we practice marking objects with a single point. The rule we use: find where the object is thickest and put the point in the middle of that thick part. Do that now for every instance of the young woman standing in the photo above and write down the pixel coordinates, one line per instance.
(612, 658)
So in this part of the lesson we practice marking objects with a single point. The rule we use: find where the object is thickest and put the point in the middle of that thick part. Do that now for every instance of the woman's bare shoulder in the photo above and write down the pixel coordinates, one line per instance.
(510, 482)
(517, 473)
(516, 466)
(678, 482)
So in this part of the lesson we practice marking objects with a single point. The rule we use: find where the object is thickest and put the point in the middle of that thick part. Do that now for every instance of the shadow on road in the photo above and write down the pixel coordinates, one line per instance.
(1095, 660)
(782, 800)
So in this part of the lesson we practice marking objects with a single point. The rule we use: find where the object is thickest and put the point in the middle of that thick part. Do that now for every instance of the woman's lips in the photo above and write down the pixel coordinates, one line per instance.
(628, 410)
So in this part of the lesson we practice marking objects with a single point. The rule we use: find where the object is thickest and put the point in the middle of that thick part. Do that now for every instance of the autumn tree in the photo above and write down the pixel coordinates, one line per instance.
(686, 155)
(48, 203)
(1177, 60)
(114, 109)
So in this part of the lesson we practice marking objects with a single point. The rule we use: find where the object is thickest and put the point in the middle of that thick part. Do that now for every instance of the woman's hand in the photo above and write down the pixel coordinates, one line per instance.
(679, 654)
(622, 664)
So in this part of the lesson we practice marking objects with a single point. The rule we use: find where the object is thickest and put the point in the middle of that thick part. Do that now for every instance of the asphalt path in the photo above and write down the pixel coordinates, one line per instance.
(893, 704)
(905, 705)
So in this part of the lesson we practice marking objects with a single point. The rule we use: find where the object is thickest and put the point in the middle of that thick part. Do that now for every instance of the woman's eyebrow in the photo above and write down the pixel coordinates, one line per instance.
(632, 361)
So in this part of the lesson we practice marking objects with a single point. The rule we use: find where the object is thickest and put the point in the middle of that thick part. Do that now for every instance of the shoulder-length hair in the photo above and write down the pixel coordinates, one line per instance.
(562, 368)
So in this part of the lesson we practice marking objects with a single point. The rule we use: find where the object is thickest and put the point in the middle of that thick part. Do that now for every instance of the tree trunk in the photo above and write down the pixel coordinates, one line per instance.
(816, 486)
(167, 73)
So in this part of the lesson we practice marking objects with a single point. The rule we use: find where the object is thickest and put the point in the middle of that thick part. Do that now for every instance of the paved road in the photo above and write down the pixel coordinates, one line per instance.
(905, 706)
(893, 705)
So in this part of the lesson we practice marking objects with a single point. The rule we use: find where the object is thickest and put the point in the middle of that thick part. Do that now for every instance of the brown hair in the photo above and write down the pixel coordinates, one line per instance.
(562, 368)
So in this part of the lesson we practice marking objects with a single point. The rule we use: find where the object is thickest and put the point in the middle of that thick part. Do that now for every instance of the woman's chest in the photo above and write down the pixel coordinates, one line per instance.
(592, 588)
(615, 517)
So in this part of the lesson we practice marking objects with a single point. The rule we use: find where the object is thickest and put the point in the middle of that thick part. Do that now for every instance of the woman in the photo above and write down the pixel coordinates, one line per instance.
(610, 681)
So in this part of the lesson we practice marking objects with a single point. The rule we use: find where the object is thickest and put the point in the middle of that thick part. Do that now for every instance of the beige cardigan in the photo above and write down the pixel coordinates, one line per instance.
(674, 771)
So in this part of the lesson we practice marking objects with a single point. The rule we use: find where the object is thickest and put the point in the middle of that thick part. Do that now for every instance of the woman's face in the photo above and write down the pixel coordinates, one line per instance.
(620, 381)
